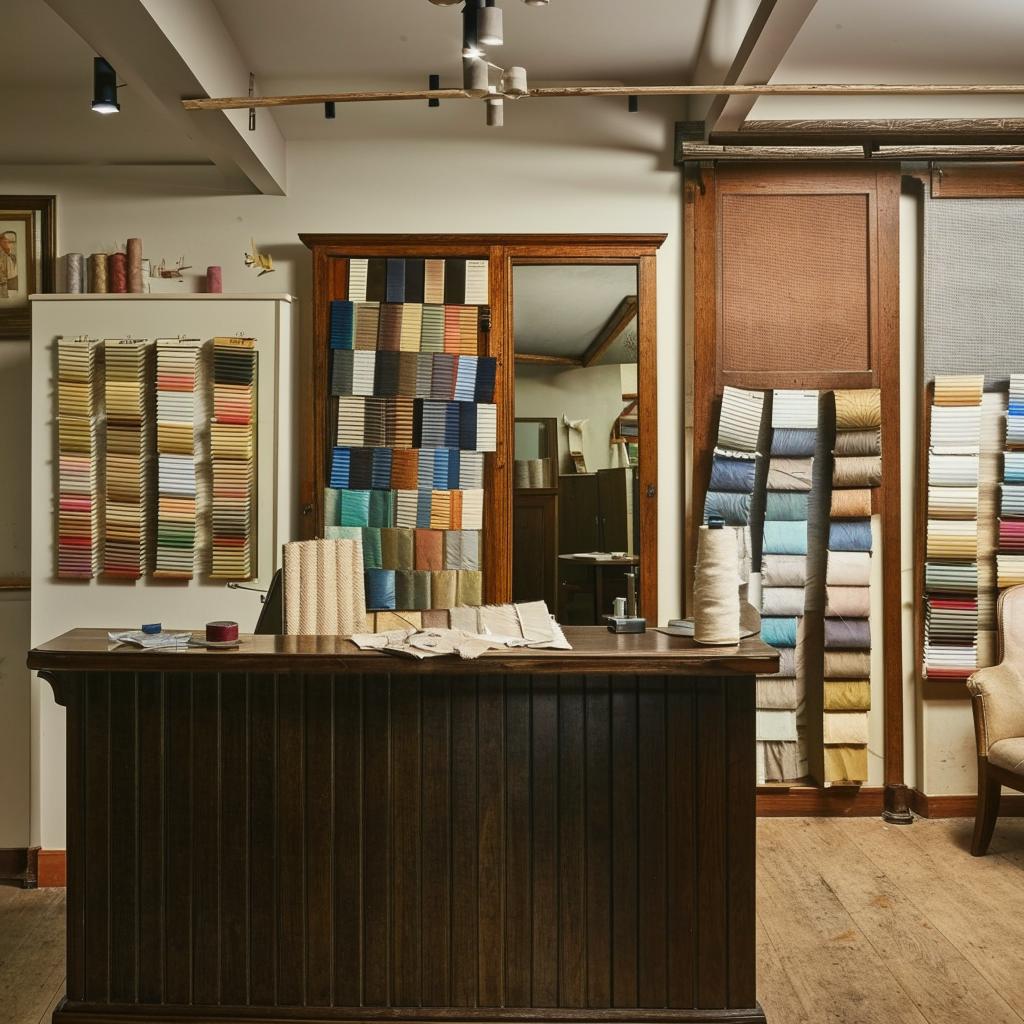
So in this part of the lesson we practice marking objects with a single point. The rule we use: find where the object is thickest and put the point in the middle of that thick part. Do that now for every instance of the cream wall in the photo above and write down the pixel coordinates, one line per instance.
(550, 170)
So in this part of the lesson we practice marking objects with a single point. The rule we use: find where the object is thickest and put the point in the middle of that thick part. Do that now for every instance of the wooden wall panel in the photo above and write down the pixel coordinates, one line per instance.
(416, 847)
(796, 285)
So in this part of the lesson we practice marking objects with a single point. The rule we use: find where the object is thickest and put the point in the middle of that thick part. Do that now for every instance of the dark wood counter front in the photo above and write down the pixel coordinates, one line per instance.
(300, 831)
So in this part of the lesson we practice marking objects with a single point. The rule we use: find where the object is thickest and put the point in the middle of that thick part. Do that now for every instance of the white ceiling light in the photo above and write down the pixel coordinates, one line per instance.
(529, 3)
(489, 25)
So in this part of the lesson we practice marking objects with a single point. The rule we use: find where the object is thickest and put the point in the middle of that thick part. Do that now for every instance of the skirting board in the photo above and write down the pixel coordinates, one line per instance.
(965, 806)
(815, 802)
(19, 866)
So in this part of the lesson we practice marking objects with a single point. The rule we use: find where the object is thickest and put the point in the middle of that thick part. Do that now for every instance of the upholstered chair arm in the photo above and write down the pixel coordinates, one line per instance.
(998, 694)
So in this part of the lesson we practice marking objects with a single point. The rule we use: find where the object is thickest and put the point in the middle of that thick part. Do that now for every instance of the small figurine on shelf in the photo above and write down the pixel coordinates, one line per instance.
(172, 273)
(255, 258)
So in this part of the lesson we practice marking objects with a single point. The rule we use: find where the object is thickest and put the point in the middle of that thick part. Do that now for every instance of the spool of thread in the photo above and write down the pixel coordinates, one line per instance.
(716, 594)
(221, 632)
(214, 280)
(74, 272)
(98, 273)
(135, 266)
(117, 273)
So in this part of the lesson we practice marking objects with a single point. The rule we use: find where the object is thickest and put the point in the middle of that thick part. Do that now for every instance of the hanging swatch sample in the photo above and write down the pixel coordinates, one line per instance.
(781, 705)
(1010, 558)
(77, 459)
(127, 374)
(951, 551)
(856, 471)
(734, 467)
(177, 361)
(233, 459)
(323, 588)
(415, 415)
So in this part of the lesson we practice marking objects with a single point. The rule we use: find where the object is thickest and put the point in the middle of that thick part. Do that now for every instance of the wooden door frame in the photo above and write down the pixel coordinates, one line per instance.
(502, 252)
(703, 197)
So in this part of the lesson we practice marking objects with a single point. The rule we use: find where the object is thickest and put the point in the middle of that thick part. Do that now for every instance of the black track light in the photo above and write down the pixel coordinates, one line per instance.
(104, 87)
(329, 110)
(434, 82)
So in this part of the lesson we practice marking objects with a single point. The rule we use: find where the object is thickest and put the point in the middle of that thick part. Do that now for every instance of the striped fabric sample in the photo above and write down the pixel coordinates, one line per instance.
(415, 415)
(954, 461)
(129, 444)
(1010, 556)
(782, 749)
(856, 470)
(77, 458)
(177, 363)
(233, 458)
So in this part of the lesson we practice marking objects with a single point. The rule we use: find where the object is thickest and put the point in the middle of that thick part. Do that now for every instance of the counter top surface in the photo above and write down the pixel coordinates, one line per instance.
(595, 650)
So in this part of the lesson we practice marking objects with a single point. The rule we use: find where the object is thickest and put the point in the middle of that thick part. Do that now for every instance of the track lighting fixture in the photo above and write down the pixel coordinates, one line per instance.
(489, 29)
(104, 87)
(329, 110)
(495, 112)
(531, 3)
(434, 82)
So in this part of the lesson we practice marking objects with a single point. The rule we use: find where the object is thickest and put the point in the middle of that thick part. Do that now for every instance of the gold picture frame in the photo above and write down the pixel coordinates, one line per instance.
(27, 259)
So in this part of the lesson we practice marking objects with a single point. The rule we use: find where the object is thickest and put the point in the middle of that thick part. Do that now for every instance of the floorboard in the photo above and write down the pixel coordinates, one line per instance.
(858, 922)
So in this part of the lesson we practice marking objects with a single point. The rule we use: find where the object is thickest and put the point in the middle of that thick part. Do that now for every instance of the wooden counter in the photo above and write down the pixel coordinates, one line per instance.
(297, 830)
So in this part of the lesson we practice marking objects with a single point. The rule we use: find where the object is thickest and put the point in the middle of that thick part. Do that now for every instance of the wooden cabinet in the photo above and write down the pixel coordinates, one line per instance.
(535, 546)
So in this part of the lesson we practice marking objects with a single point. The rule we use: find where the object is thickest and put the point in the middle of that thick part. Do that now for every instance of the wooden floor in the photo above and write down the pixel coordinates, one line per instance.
(858, 922)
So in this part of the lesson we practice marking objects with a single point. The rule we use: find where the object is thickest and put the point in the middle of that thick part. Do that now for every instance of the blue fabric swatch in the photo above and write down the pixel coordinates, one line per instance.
(850, 535)
(788, 537)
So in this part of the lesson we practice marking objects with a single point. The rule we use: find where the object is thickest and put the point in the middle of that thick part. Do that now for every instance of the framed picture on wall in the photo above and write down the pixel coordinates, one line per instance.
(27, 259)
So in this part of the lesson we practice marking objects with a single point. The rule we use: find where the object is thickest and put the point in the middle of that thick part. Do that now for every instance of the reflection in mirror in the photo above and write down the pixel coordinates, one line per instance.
(577, 440)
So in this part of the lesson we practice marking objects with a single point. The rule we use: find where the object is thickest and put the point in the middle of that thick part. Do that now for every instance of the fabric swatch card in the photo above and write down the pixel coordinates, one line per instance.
(233, 458)
(129, 443)
(78, 458)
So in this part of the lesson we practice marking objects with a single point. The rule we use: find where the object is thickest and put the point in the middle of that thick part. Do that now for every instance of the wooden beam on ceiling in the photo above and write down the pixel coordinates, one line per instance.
(976, 131)
(546, 360)
(771, 32)
(624, 315)
(694, 152)
(166, 49)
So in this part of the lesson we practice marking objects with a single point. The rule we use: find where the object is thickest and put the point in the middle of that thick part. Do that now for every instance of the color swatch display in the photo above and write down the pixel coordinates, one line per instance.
(951, 547)
(177, 363)
(856, 470)
(415, 414)
(781, 748)
(734, 467)
(127, 375)
(233, 459)
(77, 459)
(1010, 557)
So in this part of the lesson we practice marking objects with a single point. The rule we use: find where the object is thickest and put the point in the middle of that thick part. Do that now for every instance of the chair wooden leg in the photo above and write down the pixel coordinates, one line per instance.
(989, 792)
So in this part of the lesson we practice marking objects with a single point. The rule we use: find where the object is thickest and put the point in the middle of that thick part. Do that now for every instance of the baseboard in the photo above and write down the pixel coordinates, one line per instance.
(19, 866)
(815, 802)
(53, 869)
(961, 806)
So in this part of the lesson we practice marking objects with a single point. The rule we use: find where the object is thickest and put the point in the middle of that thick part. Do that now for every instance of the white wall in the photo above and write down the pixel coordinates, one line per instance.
(552, 169)
(593, 393)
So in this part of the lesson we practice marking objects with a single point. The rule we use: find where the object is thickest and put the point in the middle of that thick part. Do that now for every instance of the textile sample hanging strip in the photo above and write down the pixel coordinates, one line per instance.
(126, 383)
(951, 558)
(77, 459)
(176, 367)
(781, 706)
(233, 458)
(856, 470)
(415, 416)
(734, 468)
(1010, 560)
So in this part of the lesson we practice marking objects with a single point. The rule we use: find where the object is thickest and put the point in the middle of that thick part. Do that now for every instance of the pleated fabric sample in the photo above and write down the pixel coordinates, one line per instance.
(233, 459)
(951, 539)
(323, 588)
(415, 415)
(126, 375)
(856, 470)
(177, 362)
(782, 751)
(1010, 553)
(78, 527)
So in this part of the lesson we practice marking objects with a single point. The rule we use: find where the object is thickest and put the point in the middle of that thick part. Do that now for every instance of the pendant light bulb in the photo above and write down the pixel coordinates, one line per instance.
(104, 87)
(489, 25)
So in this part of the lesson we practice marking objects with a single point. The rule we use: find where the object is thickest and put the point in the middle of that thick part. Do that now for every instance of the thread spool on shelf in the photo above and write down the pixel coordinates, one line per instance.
(214, 280)
(98, 273)
(117, 273)
(74, 271)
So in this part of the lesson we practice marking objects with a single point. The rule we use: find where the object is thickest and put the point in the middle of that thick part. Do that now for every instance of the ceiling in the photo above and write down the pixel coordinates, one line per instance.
(395, 42)
(897, 41)
(560, 310)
